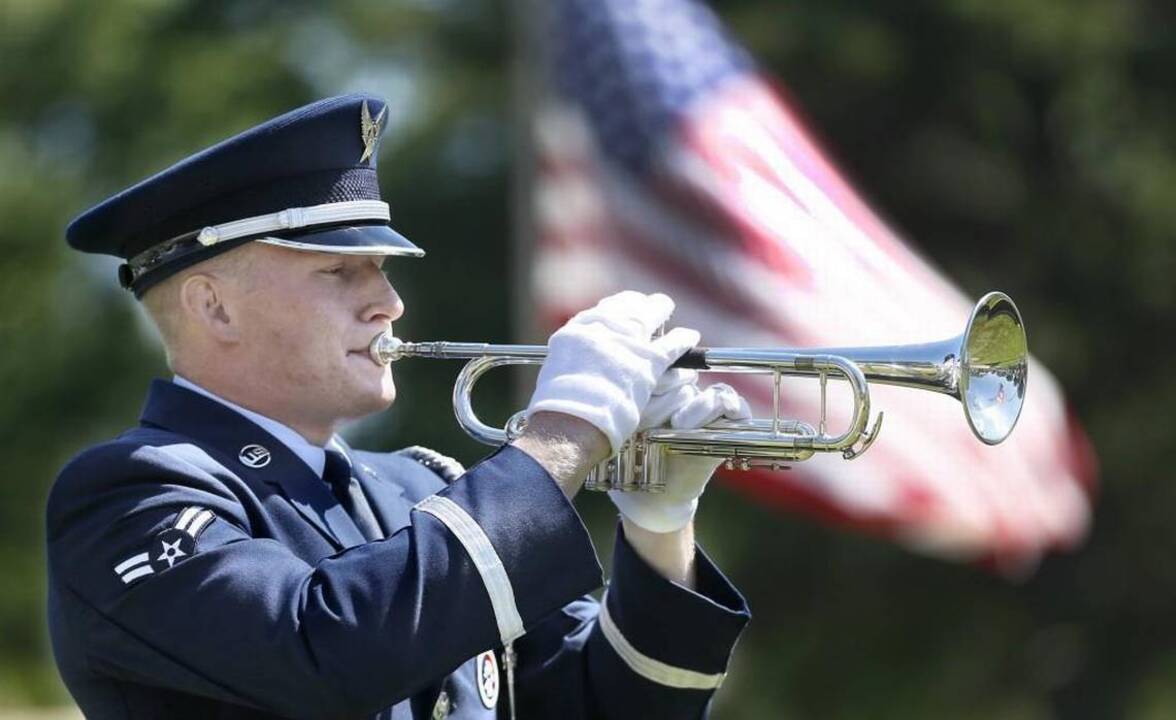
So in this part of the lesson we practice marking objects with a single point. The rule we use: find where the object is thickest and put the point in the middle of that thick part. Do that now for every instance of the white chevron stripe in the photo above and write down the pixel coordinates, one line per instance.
(137, 573)
(131, 562)
(199, 522)
(186, 517)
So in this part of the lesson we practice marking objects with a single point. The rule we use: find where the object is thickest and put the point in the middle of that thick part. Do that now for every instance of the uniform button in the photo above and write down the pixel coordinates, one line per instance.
(442, 708)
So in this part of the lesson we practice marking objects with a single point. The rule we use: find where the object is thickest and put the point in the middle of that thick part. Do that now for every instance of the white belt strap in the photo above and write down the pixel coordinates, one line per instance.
(648, 668)
(486, 560)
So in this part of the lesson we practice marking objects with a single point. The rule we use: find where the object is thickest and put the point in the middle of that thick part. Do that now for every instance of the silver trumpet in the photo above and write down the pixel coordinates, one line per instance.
(985, 368)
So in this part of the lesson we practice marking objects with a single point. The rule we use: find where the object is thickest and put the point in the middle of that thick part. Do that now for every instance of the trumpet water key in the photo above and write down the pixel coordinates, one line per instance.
(985, 368)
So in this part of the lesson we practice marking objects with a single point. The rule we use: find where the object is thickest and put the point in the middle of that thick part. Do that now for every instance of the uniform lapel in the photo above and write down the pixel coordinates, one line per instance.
(310, 496)
(385, 497)
(208, 421)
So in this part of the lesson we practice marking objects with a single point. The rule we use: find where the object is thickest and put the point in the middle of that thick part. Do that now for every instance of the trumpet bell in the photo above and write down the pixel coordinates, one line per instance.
(994, 366)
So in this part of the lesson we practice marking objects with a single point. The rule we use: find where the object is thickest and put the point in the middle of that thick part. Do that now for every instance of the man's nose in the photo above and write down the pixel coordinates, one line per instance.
(386, 305)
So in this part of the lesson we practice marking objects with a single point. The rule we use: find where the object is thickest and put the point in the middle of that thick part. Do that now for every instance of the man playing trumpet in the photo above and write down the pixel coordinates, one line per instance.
(232, 557)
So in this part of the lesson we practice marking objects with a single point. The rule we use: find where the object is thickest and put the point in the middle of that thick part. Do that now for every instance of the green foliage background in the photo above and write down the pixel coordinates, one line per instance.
(1026, 145)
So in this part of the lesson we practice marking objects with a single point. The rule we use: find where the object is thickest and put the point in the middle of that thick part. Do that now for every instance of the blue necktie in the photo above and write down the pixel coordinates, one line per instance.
(337, 474)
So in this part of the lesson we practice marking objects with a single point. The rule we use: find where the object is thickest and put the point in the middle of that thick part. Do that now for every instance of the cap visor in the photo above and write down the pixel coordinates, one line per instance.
(350, 240)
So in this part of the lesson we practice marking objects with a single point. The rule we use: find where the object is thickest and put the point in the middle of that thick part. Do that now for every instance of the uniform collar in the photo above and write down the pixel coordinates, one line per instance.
(311, 454)
(251, 452)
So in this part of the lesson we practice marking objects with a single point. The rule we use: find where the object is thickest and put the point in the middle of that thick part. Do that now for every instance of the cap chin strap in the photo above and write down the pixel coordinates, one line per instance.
(295, 218)
(350, 211)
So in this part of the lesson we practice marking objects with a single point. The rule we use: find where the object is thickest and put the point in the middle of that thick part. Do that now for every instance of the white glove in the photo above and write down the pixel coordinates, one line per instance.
(687, 408)
(602, 365)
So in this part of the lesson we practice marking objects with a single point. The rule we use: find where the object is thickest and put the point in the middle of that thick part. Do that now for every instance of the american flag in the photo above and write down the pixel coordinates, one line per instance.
(667, 162)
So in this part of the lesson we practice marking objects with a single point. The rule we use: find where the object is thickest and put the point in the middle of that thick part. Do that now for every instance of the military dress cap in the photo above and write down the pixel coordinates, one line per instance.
(305, 180)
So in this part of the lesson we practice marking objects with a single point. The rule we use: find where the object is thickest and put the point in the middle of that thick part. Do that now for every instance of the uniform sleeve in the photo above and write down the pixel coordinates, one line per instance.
(651, 649)
(239, 618)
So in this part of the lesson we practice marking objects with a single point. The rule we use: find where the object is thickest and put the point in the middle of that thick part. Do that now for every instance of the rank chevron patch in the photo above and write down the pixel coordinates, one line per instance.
(134, 568)
(168, 547)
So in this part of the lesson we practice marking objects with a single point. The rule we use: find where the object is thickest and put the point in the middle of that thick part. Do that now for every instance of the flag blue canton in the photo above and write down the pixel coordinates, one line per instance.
(635, 66)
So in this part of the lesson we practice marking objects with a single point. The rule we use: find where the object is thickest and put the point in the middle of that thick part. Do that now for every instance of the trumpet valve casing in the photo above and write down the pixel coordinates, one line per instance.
(638, 467)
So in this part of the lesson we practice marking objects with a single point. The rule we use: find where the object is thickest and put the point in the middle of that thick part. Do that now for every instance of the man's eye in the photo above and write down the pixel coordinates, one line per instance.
(333, 270)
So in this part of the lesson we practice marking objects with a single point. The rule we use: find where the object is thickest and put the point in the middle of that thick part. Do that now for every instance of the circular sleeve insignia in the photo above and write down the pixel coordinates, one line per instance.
(170, 547)
(487, 669)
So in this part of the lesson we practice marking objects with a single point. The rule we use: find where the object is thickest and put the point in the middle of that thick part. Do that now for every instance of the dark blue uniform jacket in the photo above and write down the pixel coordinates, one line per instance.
(186, 583)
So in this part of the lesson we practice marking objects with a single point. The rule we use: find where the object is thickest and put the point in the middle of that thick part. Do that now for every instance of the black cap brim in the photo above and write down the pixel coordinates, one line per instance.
(349, 240)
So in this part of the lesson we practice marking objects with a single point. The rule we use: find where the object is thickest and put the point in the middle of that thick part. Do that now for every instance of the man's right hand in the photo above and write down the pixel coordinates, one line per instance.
(602, 365)
(601, 368)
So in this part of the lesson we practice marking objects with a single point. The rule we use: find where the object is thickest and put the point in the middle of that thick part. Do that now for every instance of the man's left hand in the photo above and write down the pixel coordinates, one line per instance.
(678, 402)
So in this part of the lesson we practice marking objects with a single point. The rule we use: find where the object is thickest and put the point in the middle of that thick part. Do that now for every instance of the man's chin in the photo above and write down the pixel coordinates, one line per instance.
(366, 406)
(380, 398)
(365, 390)
(373, 381)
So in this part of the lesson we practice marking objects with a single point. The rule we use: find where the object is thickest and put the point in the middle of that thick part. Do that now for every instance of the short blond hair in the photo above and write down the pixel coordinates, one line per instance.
(162, 301)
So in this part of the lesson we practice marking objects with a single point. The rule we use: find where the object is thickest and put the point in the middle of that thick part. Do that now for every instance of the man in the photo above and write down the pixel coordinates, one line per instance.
(233, 557)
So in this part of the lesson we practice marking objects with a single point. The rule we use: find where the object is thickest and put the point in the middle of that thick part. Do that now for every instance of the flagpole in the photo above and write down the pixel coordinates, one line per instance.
(526, 89)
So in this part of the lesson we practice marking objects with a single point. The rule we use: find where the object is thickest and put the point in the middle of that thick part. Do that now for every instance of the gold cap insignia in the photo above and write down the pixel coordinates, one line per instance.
(369, 130)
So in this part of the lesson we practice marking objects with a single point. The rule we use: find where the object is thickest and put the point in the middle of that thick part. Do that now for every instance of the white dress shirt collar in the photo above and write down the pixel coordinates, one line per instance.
(311, 454)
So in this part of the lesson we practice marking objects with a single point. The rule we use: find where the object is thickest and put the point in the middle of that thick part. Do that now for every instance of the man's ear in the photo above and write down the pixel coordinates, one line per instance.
(204, 299)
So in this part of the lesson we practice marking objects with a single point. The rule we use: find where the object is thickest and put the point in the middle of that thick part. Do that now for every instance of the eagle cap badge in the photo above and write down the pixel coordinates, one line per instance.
(369, 129)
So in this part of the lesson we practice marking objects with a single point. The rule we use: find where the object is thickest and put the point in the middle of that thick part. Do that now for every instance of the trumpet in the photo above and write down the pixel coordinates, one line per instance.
(985, 369)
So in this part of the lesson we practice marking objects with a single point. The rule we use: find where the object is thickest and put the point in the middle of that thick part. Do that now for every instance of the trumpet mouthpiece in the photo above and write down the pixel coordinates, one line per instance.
(385, 348)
